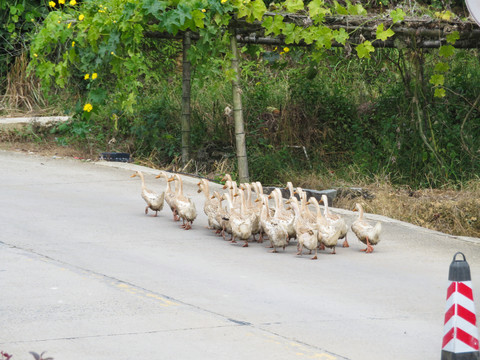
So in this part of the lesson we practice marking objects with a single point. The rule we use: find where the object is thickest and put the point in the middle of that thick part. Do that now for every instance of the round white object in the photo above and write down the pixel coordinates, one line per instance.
(474, 8)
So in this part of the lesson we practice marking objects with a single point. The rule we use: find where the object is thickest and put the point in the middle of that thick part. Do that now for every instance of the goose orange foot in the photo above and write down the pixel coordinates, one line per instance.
(369, 248)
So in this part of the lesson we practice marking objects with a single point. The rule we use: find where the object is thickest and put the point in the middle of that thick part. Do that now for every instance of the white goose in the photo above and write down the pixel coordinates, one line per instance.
(259, 207)
(184, 205)
(283, 215)
(231, 187)
(252, 210)
(169, 195)
(239, 219)
(307, 234)
(306, 213)
(327, 233)
(289, 187)
(211, 205)
(336, 220)
(154, 201)
(222, 216)
(276, 230)
(366, 233)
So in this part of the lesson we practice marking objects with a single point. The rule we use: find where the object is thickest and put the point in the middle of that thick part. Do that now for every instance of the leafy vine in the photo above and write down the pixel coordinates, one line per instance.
(106, 38)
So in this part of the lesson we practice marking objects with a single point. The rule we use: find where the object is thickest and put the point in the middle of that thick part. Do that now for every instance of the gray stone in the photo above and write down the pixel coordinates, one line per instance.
(21, 122)
(354, 192)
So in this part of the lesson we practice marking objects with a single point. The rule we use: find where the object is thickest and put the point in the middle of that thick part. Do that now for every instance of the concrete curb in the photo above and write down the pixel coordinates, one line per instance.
(19, 122)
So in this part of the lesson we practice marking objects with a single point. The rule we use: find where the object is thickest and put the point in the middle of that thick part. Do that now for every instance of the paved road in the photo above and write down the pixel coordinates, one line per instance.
(84, 274)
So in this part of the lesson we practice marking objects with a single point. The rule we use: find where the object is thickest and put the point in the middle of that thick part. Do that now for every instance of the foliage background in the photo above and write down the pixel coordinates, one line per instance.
(329, 111)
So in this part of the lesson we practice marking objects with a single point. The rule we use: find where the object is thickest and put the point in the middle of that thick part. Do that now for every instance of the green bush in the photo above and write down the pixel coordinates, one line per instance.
(156, 128)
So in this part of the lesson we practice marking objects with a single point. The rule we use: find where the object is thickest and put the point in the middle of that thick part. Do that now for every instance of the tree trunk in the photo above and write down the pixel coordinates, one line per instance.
(186, 74)
(238, 116)
(420, 103)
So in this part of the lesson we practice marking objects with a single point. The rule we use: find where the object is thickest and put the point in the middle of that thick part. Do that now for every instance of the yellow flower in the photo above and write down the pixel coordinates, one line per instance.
(73, 2)
(203, 10)
(94, 76)
(88, 107)
(81, 17)
(35, 55)
(52, 4)
(61, 2)
(87, 76)
(286, 49)
(112, 53)
(223, 1)
(69, 25)
(73, 43)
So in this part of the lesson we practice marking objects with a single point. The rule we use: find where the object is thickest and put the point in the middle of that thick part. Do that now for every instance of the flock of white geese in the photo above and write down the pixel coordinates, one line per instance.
(244, 217)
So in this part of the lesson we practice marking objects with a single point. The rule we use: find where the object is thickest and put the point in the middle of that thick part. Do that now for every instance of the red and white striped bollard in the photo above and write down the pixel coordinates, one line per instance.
(460, 337)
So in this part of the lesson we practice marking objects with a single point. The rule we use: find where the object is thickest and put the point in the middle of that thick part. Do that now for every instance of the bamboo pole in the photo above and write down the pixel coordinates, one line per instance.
(238, 115)
(186, 75)
(411, 32)
(466, 41)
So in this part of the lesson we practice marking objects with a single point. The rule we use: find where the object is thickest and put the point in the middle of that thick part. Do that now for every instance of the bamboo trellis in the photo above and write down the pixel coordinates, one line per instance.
(414, 33)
